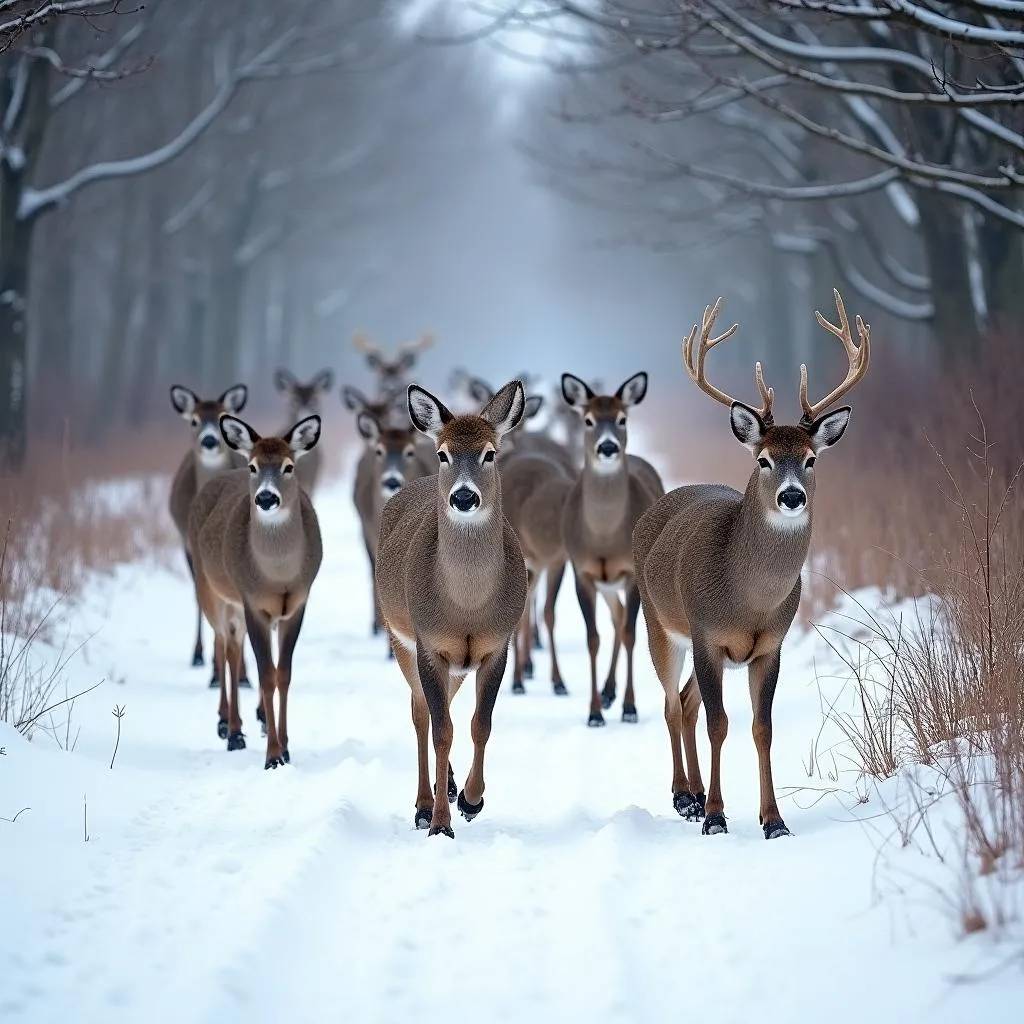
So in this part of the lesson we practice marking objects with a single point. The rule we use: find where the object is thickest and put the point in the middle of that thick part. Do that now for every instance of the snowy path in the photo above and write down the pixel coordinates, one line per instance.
(213, 891)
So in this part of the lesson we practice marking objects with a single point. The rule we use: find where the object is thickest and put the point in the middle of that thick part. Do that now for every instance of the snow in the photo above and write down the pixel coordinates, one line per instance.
(211, 890)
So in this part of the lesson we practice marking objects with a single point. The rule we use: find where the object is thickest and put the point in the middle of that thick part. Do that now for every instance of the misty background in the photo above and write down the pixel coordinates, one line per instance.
(198, 193)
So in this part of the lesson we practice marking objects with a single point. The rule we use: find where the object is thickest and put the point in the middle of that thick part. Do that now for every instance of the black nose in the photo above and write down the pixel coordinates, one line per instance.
(607, 448)
(391, 483)
(267, 500)
(464, 500)
(209, 441)
(792, 498)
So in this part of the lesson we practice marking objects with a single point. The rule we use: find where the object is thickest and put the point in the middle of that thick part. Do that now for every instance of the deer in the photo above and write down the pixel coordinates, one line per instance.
(304, 400)
(392, 459)
(452, 586)
(719, 570)
(257, 547)
(611, 493)
(391, 373)
(206, 458)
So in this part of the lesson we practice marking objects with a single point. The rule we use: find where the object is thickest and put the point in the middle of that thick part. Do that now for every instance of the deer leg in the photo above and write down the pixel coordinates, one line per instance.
(615, 607)
(521, 638)
(289, 637)
(433, 678)
(586, 594)
(244, 678)
(197, 651)
(708, 669)
(689, 697)
(763, 675)
(219, 650)
(628, 642)
(420, 722)
(258, 628)
(537, 641)
(552, 581)
(488, 682)
(232, 668)
(377, 620)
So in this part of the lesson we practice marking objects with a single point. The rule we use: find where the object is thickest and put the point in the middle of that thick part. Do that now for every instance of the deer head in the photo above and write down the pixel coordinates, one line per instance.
(303, 398)
(273, 485)
(203, 416)
(785, 454)
(391, 372)
(467, 482)
(604, 418)
(394, 449)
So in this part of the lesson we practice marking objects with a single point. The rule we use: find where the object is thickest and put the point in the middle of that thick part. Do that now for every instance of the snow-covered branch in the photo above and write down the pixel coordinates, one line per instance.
(99, 66)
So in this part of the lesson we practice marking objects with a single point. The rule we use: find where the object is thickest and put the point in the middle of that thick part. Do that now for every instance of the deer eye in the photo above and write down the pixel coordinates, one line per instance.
(589, 420)
(442, 457)
(811, 459)
(489, 455)
(253, 469)
(195, 421)
(764, 463)
(620, 420)
(409, 453)
(289, 468)
(380, 451)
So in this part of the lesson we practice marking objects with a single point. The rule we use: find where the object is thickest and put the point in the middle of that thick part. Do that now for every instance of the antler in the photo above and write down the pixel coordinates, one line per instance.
(858, 355)
(425, 340)
(695, 366)
(363, 344)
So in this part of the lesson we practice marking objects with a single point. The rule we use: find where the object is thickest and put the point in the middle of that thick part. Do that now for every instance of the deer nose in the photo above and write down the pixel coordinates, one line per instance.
(209, 442)
(608, 448)
(464, 500)
(391, 483)
(266, 500)
(792, 499)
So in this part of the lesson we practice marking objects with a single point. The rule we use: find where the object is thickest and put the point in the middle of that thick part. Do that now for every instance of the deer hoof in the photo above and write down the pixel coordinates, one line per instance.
(629, 714)
(423, 816)
(607, 698)
(528, 670)
(596, 719)
(273, 762)
(260, 713)
(286, 756)
(198, 659)
(689, 805)
(441, 830)
(466, 809)
(517, 686)
(775, 830)
(236, 741)
(714, 825)
(538, 644)
(244, 683)
(559, 689)
(222, 728)
(453, 789)
(214, 682)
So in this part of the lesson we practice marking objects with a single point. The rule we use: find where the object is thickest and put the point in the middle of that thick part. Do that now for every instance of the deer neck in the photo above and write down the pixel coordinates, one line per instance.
(207, 468)
(277, 543)
(766, 555)
(605, 496)
(470, 557)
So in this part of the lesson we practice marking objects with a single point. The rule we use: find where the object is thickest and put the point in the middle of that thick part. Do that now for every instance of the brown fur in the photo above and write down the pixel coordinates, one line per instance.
(721, 570)
(198, 466)
(305, 400)
(597, 527)
(452, 592)
(254, 575)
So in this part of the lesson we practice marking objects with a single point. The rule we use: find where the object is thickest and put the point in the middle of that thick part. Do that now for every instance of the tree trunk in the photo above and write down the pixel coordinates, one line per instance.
(15, 261)
(1001, 250)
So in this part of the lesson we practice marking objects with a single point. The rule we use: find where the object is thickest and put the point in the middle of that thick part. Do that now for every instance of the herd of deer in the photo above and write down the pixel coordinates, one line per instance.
(463, 512)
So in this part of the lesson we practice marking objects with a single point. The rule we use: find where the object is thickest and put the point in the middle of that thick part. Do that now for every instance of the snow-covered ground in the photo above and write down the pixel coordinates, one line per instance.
(188, 884)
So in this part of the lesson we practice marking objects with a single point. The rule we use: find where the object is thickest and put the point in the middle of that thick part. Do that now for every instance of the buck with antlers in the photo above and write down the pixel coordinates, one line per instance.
(452, 586)
(392, 372)
(206, 458)
(719, 571)
(303, 401)
(611, 493)
(256, 543)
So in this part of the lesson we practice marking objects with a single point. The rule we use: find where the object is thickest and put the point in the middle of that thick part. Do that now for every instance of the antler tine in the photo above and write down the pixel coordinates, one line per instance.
(363, 344)
(767, 396)
(421, 344)
(858, 355)
(695, 367)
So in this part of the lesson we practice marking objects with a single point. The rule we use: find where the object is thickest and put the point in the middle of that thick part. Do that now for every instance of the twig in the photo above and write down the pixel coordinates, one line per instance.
(118, 713)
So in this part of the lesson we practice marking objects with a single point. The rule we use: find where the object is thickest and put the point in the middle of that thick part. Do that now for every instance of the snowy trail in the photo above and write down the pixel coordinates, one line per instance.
(213, 891)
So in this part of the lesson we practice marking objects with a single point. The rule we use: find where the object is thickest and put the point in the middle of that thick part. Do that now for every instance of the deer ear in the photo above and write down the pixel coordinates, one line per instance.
(237, 434)
(234, 399)
(406, 361)
(373, 361)
(352, 398)
(428, 414)
(575, 391)
(829, 427)
(304, 436)
(505, 410)
(632, 392)
(480, 391)
(324, 380)
(533, 406)
(747, 425)
(369, 428)
(183, 400)
(283, 380)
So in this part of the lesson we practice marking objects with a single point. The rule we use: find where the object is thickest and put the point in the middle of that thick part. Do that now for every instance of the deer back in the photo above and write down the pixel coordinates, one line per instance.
(534, 489)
